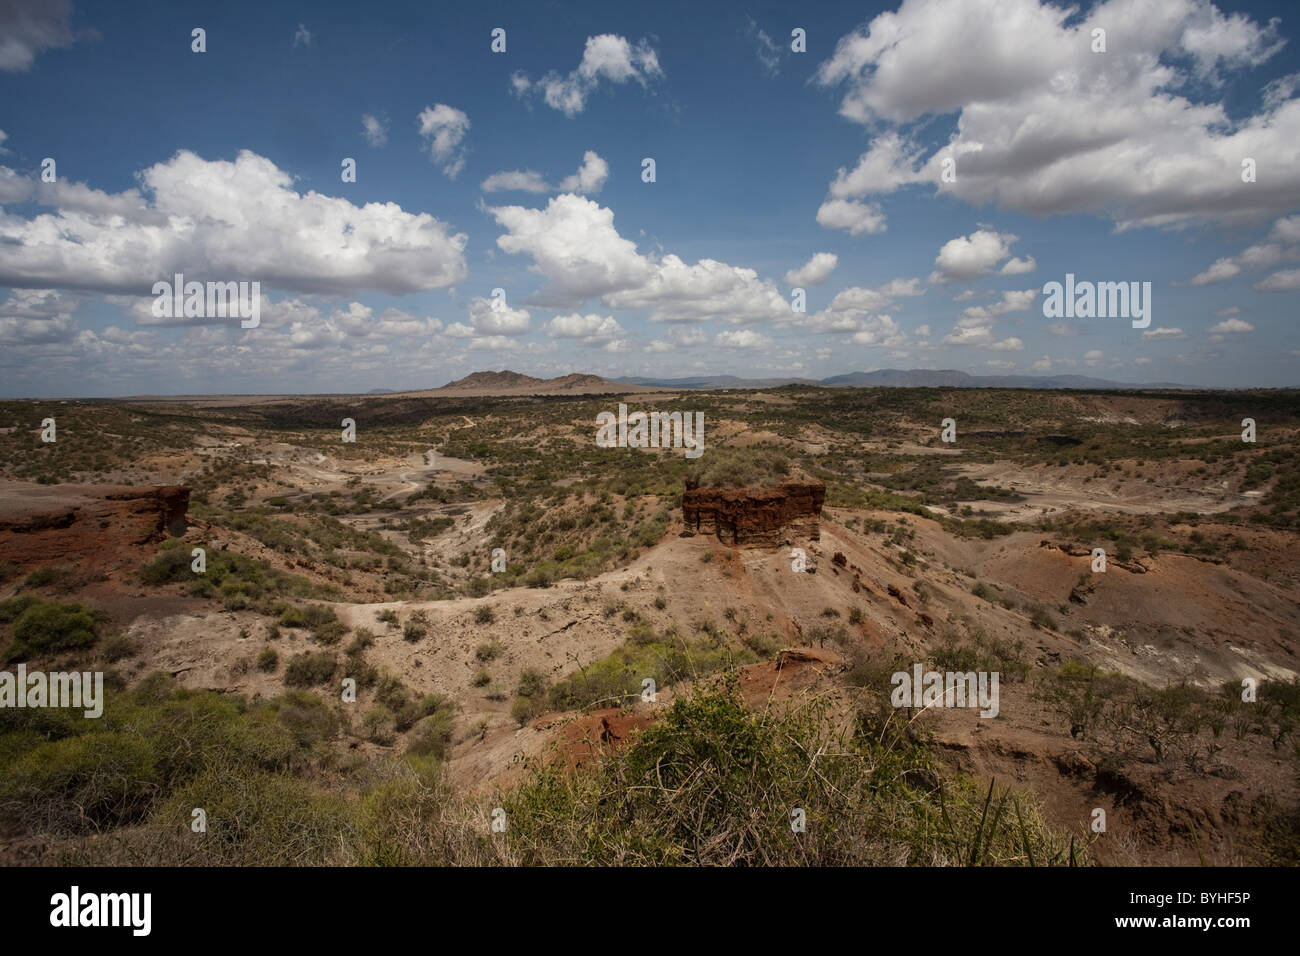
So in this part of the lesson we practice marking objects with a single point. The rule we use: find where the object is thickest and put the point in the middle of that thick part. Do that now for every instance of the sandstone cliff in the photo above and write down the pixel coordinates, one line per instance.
(763, 516)
(86, 524)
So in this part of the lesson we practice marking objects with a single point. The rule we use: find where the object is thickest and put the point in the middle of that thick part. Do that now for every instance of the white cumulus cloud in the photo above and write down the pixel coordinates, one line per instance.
(445, 127)
(741, 339)
(589, 179)
(215, 220)
(815, 271)
(1042, 125)
(576, 249)
(518, 180)
(588, 328)
(1231, 326)
(970, 257)
(857, 218)
(502, 321)
(606, 57)
(374, 129)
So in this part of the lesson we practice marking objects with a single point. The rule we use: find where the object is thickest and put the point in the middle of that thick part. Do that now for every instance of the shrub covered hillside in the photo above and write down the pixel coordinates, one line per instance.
(712, 783)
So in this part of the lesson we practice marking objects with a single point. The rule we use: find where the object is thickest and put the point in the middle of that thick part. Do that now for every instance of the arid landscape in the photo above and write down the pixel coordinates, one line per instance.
(443, 445)
(496, 588)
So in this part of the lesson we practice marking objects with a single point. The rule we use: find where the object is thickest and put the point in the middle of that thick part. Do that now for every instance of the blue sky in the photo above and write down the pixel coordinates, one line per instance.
(774, 170)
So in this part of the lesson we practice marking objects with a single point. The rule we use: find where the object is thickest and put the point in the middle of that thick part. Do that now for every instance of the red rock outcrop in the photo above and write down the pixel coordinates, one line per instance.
(593, 735)
(86, 524)
(763, 516)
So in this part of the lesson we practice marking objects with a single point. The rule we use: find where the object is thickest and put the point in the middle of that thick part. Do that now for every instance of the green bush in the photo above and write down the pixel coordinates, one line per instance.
(63, 774)
(542, 576)
(532, 683)
(323, 623)
(524, 709)
(50, 626)
(262, 818)
(238, 581)
(11, 608)
(617, 679)
(739, 467)
(43, 577)
(310, 669)
(1041, 618)
(98, 779)
(407, 714)
(713, 784)
(361, 639)
(307, 717)
(431, 735)
(764, 645)
(378, 725)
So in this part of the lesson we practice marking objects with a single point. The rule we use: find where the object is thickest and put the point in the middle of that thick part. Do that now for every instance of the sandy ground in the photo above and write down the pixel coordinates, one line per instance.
(1046, 492)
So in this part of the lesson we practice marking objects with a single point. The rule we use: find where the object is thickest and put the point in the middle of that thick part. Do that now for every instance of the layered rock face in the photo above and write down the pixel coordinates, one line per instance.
(755, 516)
(86, 524)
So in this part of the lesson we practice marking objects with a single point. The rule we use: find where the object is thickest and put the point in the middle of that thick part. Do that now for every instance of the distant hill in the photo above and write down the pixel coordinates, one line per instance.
(514, 383)
(951, 378)
(494, 380)
(893, 377)
(896, 378)
(714, 381)
(576, 382)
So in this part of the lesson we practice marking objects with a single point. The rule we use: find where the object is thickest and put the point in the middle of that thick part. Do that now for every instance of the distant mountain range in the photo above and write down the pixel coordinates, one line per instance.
(515, 383)
(715, 381)
(895, 378)
(507, 383)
